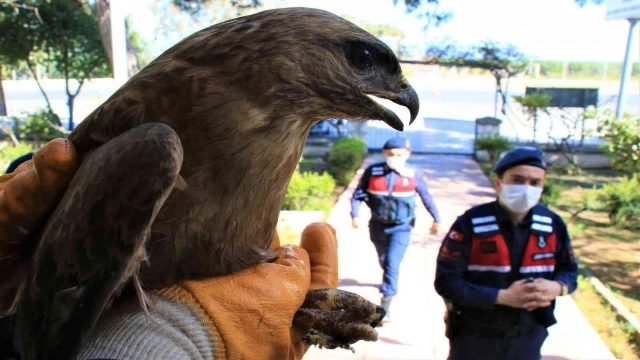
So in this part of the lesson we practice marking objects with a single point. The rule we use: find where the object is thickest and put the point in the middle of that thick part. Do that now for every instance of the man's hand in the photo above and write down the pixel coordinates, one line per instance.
(253, 309)
(434, 228)
(530, 296)
(518, 295)
(355, 222)
(545, 291)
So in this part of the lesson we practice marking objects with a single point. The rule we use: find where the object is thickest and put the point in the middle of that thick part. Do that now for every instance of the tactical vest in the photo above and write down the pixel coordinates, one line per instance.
(392, 206)
(489, 259)
(490, 264)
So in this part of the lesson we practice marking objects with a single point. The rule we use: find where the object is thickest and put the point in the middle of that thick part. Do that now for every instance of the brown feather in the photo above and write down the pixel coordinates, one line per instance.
(242, 97)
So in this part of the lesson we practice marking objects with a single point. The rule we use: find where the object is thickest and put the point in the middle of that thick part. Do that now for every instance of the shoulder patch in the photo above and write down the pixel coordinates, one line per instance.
(542, 219)
(542, 228)
(455, 236)
(483, 219)
(377, 170)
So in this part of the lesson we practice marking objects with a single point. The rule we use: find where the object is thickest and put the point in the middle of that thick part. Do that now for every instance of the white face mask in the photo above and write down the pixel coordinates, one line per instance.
(520, 198)
(396, 162)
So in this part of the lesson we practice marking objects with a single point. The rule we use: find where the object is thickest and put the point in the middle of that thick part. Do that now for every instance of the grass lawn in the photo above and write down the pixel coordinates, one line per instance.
(611, 254)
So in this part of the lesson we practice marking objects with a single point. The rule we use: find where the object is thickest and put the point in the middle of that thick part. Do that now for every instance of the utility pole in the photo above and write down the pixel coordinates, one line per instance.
(626, 70)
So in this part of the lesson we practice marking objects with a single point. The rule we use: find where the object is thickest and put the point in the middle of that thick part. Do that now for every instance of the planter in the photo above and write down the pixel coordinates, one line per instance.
(291, 224)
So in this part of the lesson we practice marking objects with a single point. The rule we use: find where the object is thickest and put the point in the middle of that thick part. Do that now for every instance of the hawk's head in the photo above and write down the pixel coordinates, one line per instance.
(306, 64)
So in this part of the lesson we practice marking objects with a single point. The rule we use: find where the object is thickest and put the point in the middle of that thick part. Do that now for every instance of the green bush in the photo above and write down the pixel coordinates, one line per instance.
(622, 201)
(493, 144)
(623, 137)
(588, 201)
(551, 193)
(567, 169)
(11, 152)
(345, 158)
(39, 126)
(309, 191)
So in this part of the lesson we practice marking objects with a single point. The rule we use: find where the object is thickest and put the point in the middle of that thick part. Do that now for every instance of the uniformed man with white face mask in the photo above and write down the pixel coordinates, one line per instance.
(389, 189)
(502, 265)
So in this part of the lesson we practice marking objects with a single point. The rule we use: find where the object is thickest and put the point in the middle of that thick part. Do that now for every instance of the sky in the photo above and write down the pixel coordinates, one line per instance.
(544, 29)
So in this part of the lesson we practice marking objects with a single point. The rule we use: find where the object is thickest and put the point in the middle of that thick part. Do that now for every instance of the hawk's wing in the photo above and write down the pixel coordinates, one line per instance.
(94, 241)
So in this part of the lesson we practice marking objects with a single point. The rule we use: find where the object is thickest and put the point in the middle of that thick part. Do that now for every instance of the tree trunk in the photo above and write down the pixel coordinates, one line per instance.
(70, 100)
(71, 97)
(12, 136)
(36, 141)
(3, 107)
(133, 66)
(44, 94)
(102, 10)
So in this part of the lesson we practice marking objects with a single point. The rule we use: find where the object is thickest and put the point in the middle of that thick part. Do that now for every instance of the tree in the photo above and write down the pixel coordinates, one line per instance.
(429, 10)
(503, 61)
(582, 3)
(72, 44)
(381, 31)
(67, 39)
(623, 139)
(195, 7)
(19, 5)
(561, 140)
(19, 38)
(532, 105)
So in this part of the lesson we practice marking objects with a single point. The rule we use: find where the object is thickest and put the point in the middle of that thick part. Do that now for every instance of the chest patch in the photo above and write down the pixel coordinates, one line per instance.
(488, 247)
(540, 256)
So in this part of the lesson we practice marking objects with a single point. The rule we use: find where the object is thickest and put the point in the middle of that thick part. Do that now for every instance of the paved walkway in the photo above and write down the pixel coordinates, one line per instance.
(417, 331)
(428, 135)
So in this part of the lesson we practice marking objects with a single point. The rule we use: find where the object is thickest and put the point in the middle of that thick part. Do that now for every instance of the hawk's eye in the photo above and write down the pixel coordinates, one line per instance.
(361, 58)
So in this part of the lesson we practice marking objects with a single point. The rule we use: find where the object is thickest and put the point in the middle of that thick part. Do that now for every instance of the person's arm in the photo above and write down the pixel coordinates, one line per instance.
(566, 270)
(360, 193)
(427, 199)
(451, 266)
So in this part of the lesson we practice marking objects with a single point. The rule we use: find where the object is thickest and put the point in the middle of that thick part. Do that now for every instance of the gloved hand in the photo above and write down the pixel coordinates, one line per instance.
(247, 315)
(251, 311)
(27, 195)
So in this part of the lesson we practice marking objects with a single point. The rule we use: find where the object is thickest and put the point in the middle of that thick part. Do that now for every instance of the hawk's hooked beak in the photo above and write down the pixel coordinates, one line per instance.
(405, 105)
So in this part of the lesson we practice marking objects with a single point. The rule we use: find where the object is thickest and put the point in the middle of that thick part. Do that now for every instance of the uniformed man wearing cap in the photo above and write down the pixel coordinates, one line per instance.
(389, 190)
(502, 265)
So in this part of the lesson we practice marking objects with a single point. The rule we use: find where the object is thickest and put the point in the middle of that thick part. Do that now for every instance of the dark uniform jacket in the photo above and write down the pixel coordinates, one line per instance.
(485, 252)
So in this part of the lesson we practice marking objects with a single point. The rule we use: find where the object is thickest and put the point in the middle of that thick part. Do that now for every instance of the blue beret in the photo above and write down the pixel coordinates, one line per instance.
(521, 155)
(396, 143)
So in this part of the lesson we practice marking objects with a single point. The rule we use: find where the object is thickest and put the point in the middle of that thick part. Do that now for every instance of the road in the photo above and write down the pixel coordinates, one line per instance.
(440, 98)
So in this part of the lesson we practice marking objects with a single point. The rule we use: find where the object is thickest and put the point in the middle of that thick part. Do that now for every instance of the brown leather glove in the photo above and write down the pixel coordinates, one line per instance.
(27, 195)
(251, 312)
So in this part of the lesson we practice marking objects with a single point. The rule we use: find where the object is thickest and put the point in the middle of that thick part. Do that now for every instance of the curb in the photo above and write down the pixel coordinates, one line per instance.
(621, 311)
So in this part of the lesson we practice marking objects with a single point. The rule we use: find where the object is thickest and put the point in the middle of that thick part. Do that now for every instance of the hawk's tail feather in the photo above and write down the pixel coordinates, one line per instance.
(146, 301)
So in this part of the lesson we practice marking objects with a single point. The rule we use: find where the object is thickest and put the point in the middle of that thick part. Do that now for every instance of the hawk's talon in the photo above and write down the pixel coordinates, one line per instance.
(336, 318)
